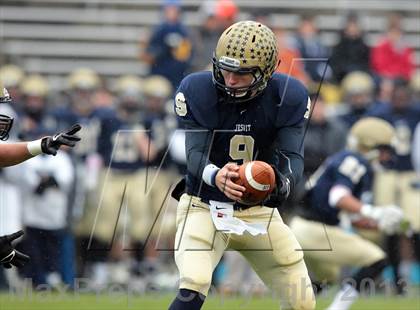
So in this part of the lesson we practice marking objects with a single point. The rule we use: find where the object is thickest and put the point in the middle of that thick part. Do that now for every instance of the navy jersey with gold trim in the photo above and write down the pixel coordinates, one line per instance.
(269, 127)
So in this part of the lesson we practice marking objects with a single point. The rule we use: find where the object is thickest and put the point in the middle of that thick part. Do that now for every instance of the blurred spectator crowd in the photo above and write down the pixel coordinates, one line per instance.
(103, 211)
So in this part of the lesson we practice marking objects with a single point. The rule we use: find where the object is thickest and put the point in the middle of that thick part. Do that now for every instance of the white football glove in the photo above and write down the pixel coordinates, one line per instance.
(388, 217)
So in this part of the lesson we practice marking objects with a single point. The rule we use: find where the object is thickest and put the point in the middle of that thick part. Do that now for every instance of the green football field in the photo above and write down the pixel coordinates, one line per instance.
(122, 301)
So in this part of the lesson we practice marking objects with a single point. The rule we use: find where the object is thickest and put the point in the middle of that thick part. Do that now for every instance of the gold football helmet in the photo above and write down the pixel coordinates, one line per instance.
(157, 90)
(369, 135)
(245, 47)
(157, 86)
(35, 85)
(11, 75)
(129, 86)
(129, 89)
(83, 79)
(357, 82)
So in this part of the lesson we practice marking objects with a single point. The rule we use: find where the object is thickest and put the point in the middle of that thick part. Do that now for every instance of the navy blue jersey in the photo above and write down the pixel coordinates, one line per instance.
(405, 122)
(91, 123)
(352, 116)
(160, 127)
(118, 145)
(171, 47)
(345, 168)
(269, 127)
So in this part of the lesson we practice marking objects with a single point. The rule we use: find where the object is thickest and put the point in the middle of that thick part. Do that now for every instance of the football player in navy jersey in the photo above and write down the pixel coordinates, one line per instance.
(82, 84)
(125, 150)
(358, 96)
(339, 195)
(238, 113)
(15, 153)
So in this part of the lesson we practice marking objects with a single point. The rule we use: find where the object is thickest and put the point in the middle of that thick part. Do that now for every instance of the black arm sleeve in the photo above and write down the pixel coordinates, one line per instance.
(197, 146)
(286, 153)
(289, 153)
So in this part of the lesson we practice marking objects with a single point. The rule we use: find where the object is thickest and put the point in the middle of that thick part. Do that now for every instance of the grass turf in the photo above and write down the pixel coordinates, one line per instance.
(122, 300)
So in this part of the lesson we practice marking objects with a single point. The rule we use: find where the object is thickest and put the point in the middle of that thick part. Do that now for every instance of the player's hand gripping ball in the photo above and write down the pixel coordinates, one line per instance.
(259, 179)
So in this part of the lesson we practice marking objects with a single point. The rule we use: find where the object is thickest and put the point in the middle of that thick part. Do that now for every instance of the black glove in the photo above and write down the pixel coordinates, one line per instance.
(45, 183)
(281, 192)
(50, 145)
(8, 255)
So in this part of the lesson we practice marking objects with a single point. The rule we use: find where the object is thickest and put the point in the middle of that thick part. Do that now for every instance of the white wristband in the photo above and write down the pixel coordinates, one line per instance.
(34, 147)
(370, 211)
(209, 174)
(336, 193)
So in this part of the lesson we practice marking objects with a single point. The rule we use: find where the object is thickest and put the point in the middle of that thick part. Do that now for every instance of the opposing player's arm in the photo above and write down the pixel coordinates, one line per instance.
(15, 153)
(8, 254)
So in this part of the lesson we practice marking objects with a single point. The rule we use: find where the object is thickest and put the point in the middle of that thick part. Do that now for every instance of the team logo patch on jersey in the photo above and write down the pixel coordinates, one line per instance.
(180, 104)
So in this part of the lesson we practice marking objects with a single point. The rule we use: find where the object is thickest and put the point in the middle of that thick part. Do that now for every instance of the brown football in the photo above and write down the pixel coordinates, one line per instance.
(259, 179)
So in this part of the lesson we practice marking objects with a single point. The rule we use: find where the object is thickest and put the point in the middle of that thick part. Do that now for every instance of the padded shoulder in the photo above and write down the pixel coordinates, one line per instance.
(196, 100)
(293, 99)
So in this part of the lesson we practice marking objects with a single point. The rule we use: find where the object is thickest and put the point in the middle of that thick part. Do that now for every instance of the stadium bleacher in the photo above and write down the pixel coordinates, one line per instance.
(54, 37)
